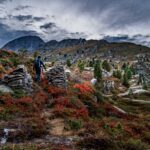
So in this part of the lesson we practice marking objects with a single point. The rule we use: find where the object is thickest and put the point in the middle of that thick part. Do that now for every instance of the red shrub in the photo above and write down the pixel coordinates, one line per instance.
(1, 75)
(7, 99)
(58, 108)
(128, 130)
(6, 53)
(113, 124)
(40, 98)
(9, 102)
(84, 88)
(82, 113)
(24, 101)
(62, 101)
(55, 91)
(44, 84)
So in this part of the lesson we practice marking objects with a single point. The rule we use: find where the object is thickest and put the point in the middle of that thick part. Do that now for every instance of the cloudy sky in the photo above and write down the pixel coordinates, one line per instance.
(114, 20)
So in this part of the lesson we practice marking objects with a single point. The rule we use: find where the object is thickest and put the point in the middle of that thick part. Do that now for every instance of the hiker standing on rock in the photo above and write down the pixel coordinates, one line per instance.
(38, 64)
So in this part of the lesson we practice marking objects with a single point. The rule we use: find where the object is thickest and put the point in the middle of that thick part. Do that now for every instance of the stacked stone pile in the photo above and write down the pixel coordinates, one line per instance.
(19, 79)
(57, 77)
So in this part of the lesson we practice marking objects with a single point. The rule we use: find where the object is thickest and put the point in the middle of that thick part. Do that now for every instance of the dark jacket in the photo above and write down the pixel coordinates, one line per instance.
(38, 64)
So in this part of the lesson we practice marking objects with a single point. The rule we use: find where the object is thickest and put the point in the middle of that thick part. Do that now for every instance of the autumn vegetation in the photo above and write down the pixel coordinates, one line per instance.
(85, 111)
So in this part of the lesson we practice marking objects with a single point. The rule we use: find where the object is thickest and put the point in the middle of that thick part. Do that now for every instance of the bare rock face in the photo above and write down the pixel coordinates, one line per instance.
(19, 79)
(57, 77)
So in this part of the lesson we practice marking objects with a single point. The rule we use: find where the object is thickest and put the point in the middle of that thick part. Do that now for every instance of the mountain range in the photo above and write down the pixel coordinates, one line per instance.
(32, 43)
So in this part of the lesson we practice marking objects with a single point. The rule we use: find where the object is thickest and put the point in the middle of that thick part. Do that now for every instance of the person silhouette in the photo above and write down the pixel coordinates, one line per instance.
(38, 64)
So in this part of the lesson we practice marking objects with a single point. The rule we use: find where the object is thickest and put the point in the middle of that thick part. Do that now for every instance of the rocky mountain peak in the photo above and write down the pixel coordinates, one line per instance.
(30, 43)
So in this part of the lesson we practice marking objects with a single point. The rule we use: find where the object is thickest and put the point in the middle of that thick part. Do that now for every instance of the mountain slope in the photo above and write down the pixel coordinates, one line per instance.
(91, 48)
(124, 48)
(62, 44)
(26, 42)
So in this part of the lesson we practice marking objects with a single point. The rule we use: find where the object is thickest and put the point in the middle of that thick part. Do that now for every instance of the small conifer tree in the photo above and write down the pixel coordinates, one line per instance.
(97, 71)
(106, 66)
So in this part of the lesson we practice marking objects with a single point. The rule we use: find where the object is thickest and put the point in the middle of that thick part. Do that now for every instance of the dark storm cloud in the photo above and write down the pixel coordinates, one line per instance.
(121, 12)
(140, 35)
(48, 25)
(118, 38)
(23, 17)
(20, 7)
(78, 35)
(7, 34)
(28, 18)
(139, 39)
(38, 18)
(3, 1)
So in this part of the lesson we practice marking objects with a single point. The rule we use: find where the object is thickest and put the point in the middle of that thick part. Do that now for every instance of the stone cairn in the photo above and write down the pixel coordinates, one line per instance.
(56, 77)
(19, 79)
(108, 86)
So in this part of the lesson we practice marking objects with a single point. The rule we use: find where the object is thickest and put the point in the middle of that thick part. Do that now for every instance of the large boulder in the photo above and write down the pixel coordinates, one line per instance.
(19, 79)
(57, 77)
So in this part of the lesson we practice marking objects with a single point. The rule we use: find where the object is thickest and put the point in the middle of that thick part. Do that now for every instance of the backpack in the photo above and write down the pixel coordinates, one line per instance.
(37, 64)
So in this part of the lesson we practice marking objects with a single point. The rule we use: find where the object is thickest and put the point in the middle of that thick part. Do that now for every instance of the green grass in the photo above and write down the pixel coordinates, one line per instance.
(18, 93)
(17, 147)
(5, 115)
(133, 107)
(15, 61)
(74, 124)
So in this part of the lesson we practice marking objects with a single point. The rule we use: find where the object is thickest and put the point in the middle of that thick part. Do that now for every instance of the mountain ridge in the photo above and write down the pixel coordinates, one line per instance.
(33, 43)
(27, 42)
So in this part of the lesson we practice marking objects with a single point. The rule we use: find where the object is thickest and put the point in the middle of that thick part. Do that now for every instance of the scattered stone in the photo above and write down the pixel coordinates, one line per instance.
(106, 73)
(69, 141)
(89, 69)
(57, 77)
(68, 73)
(93, 81)
(119, 109)
(9, 134)
(5, 89)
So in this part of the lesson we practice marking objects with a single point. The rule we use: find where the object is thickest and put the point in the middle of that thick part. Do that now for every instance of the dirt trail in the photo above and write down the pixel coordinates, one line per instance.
(56, 125)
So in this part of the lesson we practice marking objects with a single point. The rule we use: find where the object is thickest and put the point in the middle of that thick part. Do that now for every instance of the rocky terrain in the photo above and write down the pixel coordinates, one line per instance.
(81, 102)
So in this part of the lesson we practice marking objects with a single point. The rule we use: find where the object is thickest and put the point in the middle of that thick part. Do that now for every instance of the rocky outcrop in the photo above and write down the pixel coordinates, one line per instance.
(19, 79)
(9, 135)
(57, 77)
(108, 86)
